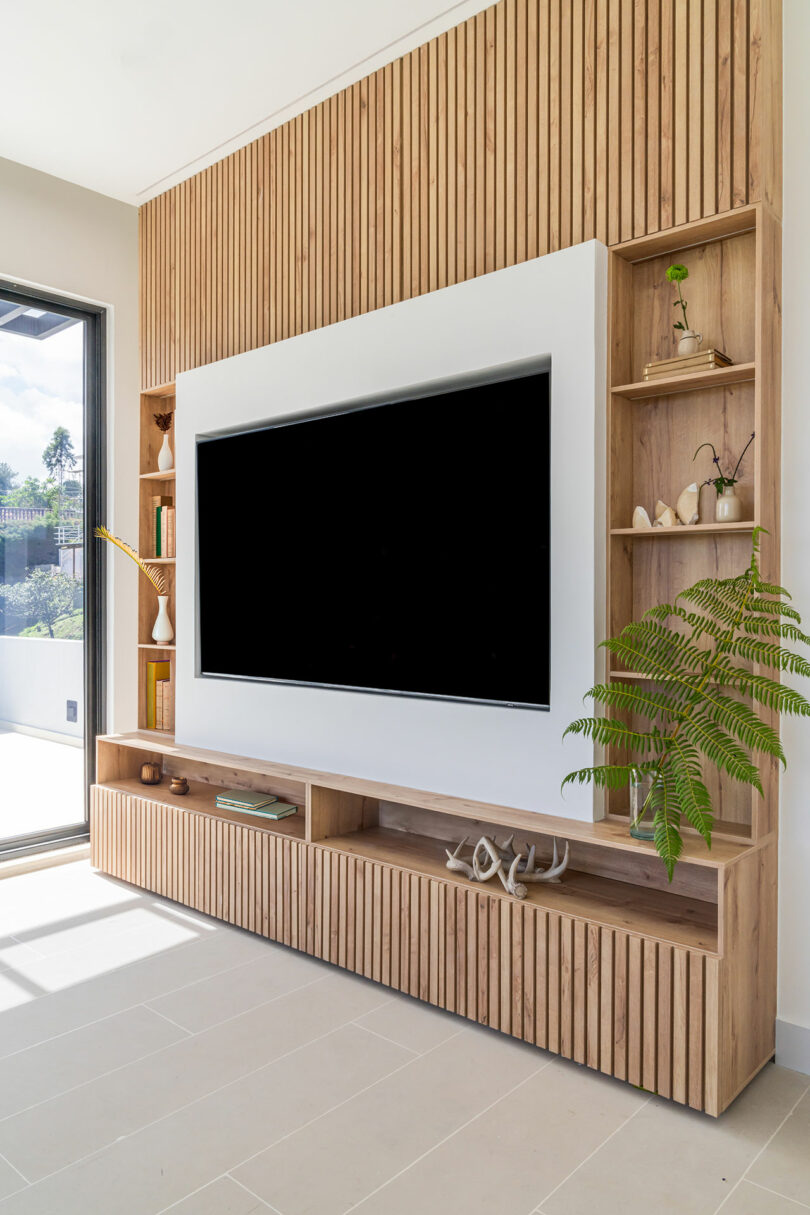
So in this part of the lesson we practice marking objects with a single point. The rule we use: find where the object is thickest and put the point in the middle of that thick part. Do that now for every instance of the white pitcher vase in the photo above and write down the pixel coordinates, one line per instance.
(163, 632)
(165, 457)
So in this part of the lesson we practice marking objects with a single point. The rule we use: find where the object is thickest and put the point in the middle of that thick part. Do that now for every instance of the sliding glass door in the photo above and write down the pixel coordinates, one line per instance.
(51, 588)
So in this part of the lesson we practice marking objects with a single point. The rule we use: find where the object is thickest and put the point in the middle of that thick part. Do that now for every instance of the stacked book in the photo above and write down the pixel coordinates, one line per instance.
(248, 802)
(163, 513)
(159, 696)
(164, 705)
(684, 364)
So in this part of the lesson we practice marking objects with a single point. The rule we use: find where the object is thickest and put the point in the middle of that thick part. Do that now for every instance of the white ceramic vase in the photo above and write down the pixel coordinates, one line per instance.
(163, 632)
(165, 457)
(690, 342)
(728, 508)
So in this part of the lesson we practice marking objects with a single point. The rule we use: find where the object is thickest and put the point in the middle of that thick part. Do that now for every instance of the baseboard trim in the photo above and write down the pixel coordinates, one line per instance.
(793, 1046)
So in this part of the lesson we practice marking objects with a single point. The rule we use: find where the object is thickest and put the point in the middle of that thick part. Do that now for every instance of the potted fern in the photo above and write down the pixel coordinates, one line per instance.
(697, 656)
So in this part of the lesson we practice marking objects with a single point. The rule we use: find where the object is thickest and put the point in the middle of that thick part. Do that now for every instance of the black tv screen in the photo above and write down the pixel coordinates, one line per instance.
(400, 547)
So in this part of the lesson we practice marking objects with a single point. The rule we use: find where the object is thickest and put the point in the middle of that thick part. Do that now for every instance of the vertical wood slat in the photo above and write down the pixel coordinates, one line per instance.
(532, 126)
(635, 1008)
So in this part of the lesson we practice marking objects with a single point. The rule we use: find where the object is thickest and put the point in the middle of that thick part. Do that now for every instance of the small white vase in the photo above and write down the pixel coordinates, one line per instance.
(690, 342)
(165, 457)
(163, 632)
(728, 508)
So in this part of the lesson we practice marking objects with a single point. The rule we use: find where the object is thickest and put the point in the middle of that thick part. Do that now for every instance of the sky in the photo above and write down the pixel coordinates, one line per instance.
(41, 387)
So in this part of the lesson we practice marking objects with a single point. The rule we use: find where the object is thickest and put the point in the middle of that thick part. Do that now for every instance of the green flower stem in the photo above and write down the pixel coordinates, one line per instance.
(683, 305)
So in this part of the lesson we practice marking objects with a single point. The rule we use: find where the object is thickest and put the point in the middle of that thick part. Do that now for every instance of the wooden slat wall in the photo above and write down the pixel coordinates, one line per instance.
(533, 126)
(633, 1008)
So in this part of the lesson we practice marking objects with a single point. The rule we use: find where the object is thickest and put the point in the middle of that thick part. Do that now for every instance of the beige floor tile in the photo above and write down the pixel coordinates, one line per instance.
(10, 1181)
(166, 1161)
(672, 1160)
(382, 1130)
(221, 1197)
(120, 987)
(53, 1067)
(784, 1166)
(413, 1024)
(62, 1130)
(204, 1004)
(517, 1151)
(752, 1200)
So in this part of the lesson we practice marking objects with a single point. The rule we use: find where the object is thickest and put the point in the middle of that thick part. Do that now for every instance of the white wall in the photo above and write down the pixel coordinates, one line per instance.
(793, 1026)
(39, 674)
(555, 305)
(72, 241)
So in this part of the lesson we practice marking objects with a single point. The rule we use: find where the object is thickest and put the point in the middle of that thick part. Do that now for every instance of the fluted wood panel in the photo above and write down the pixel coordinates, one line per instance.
(637, 1009)
(533, 126)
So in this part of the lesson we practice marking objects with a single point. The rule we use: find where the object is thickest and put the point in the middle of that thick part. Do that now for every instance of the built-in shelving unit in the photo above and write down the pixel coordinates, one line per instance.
(614, 966)
(153, 481)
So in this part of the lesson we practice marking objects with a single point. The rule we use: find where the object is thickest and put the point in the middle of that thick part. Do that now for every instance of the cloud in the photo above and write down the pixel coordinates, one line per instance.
(41, 387)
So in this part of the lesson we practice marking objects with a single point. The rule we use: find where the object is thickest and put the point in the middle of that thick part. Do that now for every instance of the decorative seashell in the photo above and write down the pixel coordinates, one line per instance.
(667, 518)
(687, 506)
(660, 507)
(641, 518)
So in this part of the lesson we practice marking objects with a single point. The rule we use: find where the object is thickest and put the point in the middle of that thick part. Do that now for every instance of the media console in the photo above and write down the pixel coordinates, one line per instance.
(667, 986)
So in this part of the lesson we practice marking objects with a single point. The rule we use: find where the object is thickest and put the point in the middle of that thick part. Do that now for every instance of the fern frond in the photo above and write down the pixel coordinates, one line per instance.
(608, 732)
(773, 607)
(722, 750)
(606, 776)
(769, 654)
(741, 721)
(693, 796)
(153, 572)
(776, 696)
(767, 626)
(666, 821)
(709, 602)
(634, 700)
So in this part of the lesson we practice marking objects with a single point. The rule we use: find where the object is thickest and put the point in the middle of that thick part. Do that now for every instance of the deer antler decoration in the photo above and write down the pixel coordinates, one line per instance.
(489, 859)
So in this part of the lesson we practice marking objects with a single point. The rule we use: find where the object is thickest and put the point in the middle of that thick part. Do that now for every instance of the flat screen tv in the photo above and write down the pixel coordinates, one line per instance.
(400, 548)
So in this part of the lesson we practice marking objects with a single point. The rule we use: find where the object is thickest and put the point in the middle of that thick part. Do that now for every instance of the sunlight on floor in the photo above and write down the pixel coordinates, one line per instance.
(69, 927)
(30, 770)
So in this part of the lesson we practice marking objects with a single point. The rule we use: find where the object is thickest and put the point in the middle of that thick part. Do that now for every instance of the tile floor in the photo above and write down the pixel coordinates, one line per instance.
(153, 1060)
(26, 803)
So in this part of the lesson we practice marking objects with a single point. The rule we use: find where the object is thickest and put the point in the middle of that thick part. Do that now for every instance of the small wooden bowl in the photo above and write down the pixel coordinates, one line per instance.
(150, 773)
(179, 784)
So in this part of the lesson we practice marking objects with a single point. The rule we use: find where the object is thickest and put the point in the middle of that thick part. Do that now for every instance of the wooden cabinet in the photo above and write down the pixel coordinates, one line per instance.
(666, 986)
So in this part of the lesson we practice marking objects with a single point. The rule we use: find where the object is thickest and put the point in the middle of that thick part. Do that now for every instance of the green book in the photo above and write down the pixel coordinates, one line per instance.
(158, 553)
(276, 811)
(244, 799)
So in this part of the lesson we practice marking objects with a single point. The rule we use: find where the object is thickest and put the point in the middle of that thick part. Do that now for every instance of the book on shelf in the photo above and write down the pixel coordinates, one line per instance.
(160, 502)
(164, 705)
(684, 364)
(274, 811)
(154, 671)
(170, 546)
(244, 799)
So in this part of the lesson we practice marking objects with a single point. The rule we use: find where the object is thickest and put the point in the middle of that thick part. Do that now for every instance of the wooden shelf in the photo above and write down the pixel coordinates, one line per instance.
(151, 645)
(201, 798)
(169, 475)
(717, 377)
(635, 909)
(695, 529)
(160, 560)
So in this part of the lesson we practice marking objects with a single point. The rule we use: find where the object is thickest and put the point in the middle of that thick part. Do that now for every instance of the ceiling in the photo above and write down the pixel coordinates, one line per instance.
(128, 99)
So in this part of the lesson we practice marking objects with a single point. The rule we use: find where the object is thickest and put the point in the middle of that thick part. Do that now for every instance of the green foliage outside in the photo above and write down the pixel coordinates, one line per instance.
(697, 655)
(42, 598)
(64, 628)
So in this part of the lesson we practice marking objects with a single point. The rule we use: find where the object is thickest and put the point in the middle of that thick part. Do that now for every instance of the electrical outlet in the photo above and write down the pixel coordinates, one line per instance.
(73, 710)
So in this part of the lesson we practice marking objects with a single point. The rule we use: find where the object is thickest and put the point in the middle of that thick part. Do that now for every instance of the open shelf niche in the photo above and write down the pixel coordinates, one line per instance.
(655, 427)
(152, 482)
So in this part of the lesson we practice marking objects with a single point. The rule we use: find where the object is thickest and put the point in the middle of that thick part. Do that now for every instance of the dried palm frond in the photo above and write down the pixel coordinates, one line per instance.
(153, 572)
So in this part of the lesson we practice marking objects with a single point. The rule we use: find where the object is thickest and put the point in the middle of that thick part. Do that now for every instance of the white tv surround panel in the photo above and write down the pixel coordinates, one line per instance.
(546, 312)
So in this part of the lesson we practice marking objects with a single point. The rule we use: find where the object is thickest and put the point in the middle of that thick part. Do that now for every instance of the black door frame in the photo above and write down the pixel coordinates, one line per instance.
(95, 500)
